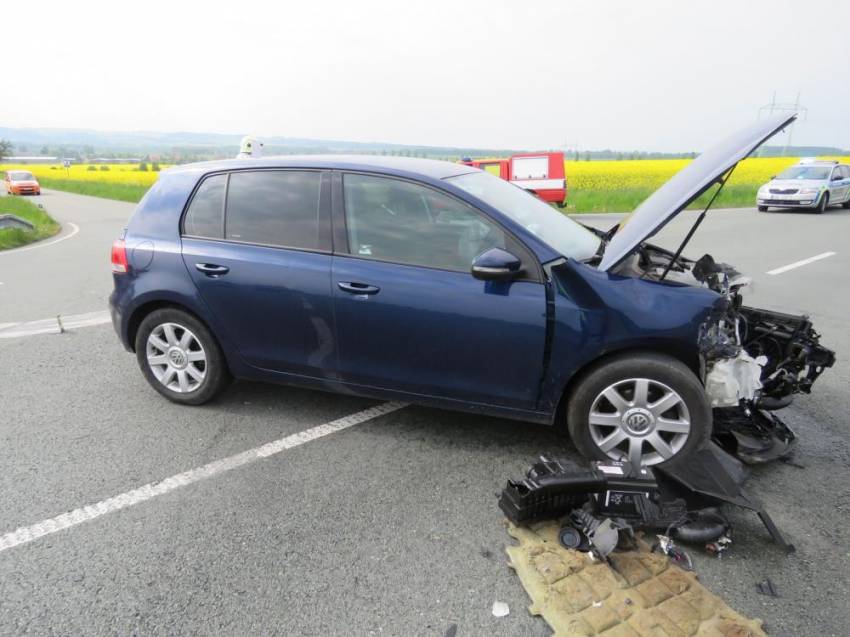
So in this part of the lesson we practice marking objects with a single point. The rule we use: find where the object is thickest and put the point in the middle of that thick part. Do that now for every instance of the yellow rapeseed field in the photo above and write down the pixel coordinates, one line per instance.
(116, 174)
(651, 173)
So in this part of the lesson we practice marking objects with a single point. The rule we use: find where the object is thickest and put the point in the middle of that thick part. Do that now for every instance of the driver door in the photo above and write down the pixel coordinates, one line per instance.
(409, 315)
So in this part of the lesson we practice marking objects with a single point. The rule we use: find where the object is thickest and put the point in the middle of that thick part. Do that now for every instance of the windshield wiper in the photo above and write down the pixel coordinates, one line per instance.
(693, 229)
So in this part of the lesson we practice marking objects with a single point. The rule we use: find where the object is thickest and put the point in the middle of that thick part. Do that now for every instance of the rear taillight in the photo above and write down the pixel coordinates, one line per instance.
(119, 257)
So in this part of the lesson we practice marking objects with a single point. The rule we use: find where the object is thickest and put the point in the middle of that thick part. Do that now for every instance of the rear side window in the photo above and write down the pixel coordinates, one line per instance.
(205, 217)
(278, 208)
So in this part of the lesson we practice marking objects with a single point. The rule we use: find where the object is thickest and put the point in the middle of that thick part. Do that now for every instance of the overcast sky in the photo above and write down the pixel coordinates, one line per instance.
(635, 74)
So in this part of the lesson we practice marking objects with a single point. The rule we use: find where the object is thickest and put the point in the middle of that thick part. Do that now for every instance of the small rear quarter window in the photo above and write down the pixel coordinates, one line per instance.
(205, 215)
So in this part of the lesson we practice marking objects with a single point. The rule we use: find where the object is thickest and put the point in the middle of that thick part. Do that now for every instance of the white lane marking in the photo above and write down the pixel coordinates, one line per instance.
(26, 534)
(74, 230)
(51, 326)
(797, 264)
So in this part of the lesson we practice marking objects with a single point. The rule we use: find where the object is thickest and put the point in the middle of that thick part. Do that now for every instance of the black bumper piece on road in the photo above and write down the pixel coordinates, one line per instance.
(681, 499)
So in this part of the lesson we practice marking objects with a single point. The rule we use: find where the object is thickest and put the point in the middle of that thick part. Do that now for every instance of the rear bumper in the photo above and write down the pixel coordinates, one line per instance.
(119, 317)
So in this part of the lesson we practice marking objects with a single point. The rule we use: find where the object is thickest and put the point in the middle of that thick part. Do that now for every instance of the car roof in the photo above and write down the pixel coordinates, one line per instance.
(379, 163)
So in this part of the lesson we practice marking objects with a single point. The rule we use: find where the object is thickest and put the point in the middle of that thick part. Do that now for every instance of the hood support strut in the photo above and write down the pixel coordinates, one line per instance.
(697, 223)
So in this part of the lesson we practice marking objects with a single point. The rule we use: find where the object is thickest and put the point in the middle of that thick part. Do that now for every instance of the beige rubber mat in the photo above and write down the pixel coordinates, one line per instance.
(646, 596)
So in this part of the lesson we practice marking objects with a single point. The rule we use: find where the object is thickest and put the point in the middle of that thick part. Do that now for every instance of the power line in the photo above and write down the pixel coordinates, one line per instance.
(785, 107)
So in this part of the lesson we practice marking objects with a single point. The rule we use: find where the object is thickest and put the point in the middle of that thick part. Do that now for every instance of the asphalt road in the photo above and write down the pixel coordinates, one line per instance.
(389, 527)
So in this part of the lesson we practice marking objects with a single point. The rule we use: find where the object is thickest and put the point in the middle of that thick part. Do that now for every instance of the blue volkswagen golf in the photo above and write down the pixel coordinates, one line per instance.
(437, 283)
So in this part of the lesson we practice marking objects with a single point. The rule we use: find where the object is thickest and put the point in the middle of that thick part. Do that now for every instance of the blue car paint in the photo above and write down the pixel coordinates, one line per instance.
(440, 333)
(430, 336)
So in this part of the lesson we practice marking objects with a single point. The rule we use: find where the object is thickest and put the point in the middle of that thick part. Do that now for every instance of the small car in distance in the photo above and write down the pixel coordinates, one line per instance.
(815, 185)
(21, 182)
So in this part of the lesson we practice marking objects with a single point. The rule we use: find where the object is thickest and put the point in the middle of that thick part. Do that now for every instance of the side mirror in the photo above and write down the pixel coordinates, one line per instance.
(837, 178)
(496, 264)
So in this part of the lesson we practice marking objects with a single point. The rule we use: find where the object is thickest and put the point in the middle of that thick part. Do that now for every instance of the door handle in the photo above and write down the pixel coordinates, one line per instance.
(211, 269)
(358, 288)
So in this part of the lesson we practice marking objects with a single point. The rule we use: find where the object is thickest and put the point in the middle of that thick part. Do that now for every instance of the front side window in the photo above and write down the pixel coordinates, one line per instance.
(274, 207)
(399, 221)
(556, 229)
(205, 217)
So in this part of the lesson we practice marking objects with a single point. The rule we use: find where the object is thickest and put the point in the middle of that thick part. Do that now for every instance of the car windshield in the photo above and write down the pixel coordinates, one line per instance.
(804, 172)
(21, 176)
(556, 229)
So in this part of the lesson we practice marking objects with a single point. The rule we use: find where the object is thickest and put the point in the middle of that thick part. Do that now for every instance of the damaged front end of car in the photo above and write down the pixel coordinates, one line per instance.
(754, 362)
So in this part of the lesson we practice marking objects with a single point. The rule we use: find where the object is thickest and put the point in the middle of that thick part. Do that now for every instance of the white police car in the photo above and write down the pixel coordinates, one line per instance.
(815, 184)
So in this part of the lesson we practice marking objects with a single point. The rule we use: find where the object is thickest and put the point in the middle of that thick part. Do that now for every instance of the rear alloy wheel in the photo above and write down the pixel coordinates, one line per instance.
(823, 204)
(180, 358)
(645, 409)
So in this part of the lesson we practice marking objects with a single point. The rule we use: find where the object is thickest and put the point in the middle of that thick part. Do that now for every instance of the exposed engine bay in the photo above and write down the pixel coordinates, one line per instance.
(754, 360)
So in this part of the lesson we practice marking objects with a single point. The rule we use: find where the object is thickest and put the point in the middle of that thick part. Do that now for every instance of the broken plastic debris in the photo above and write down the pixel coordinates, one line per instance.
(766, 587)
(500, 609)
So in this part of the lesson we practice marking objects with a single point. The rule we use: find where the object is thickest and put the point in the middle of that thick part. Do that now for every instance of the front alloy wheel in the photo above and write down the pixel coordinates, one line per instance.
(644, 408)
(639, 420)
(823, 204)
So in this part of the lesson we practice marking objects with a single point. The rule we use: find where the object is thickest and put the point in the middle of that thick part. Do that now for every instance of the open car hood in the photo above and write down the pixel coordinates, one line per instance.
(686, 185)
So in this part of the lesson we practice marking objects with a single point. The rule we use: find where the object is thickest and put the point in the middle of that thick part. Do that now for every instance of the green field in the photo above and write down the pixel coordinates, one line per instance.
(626, 200)
(104, 189)
(45, 226)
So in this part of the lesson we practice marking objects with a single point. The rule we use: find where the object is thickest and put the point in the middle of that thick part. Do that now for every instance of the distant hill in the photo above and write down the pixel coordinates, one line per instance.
(800, 151)
(70, 141)
(189, 146)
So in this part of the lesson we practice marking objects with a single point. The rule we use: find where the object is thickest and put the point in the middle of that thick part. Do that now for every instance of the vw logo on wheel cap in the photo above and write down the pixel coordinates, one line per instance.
(177, 357)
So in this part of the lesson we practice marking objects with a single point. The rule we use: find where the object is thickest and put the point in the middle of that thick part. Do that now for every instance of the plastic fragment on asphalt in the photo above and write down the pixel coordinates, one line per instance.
(766, 587)
(639, 593)
(500, 609)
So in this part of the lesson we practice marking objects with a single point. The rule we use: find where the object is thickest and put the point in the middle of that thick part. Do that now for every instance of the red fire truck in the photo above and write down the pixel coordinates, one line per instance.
(539, 173)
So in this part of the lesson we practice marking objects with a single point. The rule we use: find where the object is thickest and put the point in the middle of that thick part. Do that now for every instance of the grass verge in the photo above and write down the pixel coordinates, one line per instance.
(45, 226)
(106, 190)
(626, 200)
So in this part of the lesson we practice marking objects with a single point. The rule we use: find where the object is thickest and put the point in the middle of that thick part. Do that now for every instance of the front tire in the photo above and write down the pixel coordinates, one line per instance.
(823, 204)
(647, 409)
(762, 208)
(180, 358)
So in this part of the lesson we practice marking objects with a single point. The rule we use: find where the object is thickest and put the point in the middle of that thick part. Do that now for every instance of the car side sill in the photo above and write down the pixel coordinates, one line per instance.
(367, 391)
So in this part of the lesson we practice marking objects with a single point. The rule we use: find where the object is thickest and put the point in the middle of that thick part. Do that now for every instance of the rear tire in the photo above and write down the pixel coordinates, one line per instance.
(180, 357)
(762, 208)
(846, 203)
(823, 204)
(642, 407)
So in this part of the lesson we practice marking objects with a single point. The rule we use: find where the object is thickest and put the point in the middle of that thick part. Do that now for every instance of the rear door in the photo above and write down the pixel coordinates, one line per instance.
(257, 246)
(410, 316)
